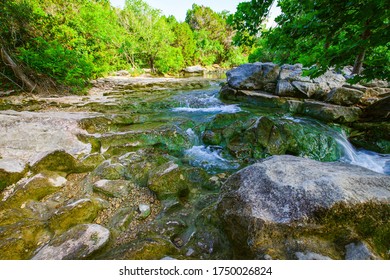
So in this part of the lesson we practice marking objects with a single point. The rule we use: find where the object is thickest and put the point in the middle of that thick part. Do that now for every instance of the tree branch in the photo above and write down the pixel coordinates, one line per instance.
(27, 83)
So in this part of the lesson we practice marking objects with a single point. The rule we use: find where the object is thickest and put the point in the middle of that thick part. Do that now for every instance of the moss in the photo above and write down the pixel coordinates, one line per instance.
(370, 222)
(9, 178)
(36, 189)
(19, 241)
(59, 161)
(151, 249)
(83, 211)
(179, 181)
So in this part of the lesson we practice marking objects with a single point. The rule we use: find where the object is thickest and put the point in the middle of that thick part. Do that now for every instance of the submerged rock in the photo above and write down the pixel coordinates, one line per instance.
(77, 243)
(284, 204)
(171, 179)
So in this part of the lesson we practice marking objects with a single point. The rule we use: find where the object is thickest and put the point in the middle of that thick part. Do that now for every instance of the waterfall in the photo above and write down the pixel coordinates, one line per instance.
(376, 162)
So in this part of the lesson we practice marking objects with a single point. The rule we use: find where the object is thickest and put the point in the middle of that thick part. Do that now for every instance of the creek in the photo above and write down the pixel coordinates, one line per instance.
(159, 158)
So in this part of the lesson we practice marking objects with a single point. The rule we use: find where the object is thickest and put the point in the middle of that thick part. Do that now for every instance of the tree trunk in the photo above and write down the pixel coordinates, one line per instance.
(358, 66)
(27, 83)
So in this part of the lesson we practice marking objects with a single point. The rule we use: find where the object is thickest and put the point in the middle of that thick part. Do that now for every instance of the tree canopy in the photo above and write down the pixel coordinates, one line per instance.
(322, 33)
(67, 43)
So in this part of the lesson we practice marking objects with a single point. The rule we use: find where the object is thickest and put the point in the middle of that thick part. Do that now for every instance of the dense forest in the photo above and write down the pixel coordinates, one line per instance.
(55, 42)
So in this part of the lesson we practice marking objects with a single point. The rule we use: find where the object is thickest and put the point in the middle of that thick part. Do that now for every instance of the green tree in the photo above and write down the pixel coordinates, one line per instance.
(213, 37)
(326, 33)
(149, 29)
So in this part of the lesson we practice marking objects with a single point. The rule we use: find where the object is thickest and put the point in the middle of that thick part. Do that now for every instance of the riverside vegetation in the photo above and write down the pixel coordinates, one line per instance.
(257, 165)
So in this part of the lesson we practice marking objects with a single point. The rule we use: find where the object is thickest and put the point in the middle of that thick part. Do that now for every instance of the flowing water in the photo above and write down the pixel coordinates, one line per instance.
(154, 139)
(203, 105)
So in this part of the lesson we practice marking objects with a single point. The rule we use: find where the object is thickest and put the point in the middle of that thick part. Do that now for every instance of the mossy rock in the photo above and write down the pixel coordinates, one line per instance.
(116, 188)
(8, 178)
(211, 138)
(221, 121)
(309, 141)
(140, 164)
(92, 161)
(372, 136)
(19, 241)
(81, 211)
(110, 171)
(151, 248)
(172, 180)
(122, 218)
(59, 161)
(77, 243)
(36, 188)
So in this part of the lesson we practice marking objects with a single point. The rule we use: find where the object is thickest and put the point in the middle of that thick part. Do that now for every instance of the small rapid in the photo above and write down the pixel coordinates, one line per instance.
(349, 154)
(376, 162)
(202, 105)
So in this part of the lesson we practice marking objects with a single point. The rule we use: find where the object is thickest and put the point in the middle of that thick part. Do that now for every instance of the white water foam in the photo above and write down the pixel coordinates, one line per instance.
(208, 158)
(376, 162)
(216, 109)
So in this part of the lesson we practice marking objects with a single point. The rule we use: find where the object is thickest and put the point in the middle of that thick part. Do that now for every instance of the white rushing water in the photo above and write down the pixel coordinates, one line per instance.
(204, 102)
(209, 158)
(376, 162)
(216, 109)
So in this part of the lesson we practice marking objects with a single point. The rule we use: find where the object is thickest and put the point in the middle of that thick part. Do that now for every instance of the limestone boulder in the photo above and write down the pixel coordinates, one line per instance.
(284, 205)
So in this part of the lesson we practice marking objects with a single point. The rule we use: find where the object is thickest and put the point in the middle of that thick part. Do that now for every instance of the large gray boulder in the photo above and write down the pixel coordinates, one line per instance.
(77, 243)
(277, 207)
(292, 83)
(256, 76)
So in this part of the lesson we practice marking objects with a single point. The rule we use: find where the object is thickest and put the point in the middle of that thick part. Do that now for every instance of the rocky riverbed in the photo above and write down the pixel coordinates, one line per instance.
(144, 168)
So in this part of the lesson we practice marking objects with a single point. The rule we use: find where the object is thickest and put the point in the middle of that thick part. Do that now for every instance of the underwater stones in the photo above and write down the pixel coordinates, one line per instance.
(256, 76)
(172, 180)
(301, 198)
(83, 210)
(77, 243)
(211, 138)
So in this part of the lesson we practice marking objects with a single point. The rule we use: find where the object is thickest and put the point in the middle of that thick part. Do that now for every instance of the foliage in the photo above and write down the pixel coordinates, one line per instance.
(213, 37)
(323, 33)
(70, 42)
